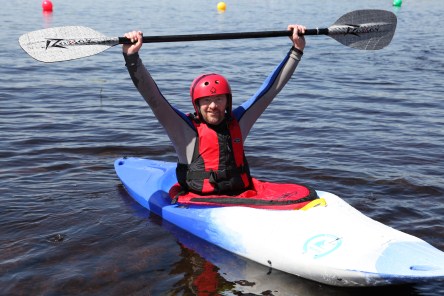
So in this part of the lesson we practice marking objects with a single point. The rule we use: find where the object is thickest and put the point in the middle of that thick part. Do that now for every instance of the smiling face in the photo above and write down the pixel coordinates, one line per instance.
(213, 108)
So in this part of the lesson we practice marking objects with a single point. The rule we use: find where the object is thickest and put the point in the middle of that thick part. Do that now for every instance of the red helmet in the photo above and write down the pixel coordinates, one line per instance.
(207, 85)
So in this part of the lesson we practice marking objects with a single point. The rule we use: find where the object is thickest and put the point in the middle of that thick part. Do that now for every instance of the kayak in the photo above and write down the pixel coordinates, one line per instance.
(330, 242)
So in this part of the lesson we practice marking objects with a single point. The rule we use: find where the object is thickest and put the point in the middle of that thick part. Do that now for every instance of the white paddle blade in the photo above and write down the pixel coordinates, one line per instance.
(365, 29)
(65, 43)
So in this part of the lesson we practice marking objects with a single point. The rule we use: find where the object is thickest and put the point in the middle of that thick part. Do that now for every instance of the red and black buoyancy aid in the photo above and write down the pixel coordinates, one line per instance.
(219, 165)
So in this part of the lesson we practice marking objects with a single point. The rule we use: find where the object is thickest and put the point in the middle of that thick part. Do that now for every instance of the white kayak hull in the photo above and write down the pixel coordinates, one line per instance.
(333, 244)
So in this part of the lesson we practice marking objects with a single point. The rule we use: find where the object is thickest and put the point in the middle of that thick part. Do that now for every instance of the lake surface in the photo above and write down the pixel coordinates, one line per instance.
(365, 125)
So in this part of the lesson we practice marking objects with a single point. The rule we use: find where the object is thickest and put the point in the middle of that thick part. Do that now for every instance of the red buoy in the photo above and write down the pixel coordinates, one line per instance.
(47, 5)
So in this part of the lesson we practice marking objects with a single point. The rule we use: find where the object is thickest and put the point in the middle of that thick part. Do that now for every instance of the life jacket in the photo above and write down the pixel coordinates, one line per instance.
(219, 175)
(219, 165)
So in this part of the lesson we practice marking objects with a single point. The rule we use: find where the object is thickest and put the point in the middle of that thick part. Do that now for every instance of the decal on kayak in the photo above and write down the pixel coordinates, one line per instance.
(264, 195)
(321, 245)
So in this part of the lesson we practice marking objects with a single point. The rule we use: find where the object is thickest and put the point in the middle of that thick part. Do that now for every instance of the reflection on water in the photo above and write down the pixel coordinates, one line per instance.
(47, 19)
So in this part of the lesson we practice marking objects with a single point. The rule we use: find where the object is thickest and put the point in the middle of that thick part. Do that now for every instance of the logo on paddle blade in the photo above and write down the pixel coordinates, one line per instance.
(54, 43)
(321, 245)
(64, 43)
(358, 29)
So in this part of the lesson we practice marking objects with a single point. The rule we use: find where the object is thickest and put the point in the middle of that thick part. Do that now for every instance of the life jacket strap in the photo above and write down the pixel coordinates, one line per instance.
(182, 191)
(215, 175)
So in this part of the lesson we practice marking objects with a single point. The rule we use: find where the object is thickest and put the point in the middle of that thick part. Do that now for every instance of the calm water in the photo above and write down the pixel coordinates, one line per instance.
(367, 126)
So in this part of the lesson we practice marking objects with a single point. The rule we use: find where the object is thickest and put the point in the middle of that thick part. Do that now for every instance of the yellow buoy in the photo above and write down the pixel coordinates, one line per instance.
(221, 6)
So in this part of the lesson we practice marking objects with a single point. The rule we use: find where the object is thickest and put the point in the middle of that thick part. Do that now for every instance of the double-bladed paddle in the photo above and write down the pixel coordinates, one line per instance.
(361, 29)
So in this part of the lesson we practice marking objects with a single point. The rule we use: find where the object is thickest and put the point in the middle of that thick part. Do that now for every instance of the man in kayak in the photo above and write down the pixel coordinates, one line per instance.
(209, 143)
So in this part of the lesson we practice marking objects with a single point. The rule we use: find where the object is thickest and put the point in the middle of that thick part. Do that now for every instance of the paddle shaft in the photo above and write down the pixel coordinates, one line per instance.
(222, 36)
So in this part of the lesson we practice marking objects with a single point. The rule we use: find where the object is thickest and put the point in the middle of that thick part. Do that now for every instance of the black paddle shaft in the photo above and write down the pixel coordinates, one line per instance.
(222, 36)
